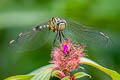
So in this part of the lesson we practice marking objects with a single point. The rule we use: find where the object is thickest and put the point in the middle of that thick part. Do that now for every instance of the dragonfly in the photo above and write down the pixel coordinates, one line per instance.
(40, 34)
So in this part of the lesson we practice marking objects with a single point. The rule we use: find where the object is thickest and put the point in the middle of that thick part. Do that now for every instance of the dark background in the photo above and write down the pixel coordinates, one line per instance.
(16, 15)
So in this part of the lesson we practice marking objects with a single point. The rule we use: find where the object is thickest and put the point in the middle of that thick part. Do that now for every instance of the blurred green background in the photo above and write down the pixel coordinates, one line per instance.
(16, 15)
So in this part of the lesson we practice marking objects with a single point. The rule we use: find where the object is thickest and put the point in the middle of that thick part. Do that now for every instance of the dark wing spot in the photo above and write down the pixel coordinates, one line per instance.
(12, 41)
(20, 34)
(104, 35)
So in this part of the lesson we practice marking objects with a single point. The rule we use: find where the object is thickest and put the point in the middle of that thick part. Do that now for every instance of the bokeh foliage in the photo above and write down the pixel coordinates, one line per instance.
(16, 15)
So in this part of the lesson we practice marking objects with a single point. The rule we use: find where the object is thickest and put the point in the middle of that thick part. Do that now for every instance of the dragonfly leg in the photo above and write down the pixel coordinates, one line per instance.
(60, 37)
(55, 39)
(63, 35)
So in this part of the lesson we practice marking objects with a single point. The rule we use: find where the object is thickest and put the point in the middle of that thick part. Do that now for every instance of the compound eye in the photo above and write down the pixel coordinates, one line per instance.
(62, 26)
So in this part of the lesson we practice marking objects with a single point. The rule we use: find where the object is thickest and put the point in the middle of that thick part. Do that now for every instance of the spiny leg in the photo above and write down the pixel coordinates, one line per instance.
(55, 39)
(60, 37)
(63, 35)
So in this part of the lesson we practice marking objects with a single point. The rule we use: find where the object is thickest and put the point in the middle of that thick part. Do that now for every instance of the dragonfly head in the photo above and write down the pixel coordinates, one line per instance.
(57, 24)
(61, 24)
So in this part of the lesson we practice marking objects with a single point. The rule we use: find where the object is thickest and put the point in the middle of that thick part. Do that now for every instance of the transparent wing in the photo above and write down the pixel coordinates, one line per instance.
(31, 40)
(88, 35)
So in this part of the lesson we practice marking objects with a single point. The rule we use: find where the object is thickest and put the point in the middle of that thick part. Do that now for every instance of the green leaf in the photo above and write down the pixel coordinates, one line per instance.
(44, 74)
(113, 74)
(20, 77)
(80, 67)
(66, 78)
(80, 75)
(57, 74)
(41, 69)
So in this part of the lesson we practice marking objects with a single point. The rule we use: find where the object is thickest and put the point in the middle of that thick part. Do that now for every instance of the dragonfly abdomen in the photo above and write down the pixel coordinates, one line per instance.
(38, 28)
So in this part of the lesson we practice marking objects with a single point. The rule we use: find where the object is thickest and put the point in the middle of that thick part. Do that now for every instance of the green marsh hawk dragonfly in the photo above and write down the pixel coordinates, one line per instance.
(36, 36)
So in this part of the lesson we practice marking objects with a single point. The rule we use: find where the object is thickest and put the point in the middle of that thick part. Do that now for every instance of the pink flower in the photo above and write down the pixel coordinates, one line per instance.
(66, 57)
(65, 49)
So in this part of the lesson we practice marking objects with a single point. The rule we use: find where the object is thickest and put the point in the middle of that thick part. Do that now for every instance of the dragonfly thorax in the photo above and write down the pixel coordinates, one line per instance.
(56, 24)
